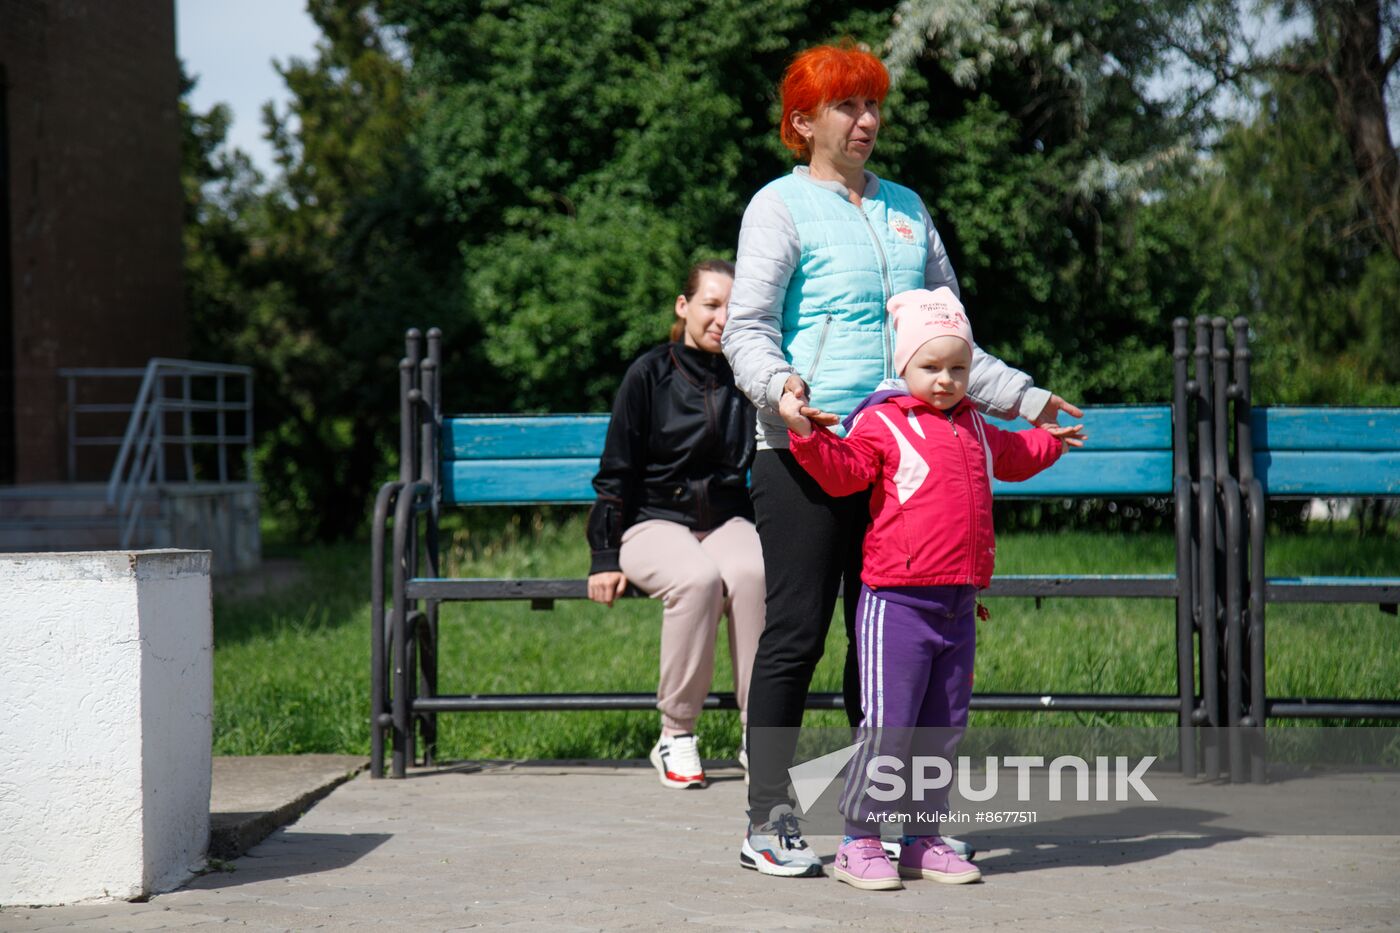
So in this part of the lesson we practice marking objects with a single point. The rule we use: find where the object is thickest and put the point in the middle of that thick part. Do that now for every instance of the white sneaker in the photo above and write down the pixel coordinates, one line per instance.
(677, 761)
(961, 849)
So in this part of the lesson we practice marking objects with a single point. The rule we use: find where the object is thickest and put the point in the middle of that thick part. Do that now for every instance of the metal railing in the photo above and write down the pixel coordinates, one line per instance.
(170, 390)
(75, 409)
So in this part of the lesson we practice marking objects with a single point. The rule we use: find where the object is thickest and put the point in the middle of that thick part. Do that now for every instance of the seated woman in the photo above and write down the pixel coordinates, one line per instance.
(673, 515)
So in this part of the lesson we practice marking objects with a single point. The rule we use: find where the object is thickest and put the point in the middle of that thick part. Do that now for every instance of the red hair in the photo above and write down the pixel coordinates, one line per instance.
(825, 73)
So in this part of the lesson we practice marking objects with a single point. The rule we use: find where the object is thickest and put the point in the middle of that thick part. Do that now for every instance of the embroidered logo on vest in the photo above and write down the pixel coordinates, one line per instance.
(902, 226)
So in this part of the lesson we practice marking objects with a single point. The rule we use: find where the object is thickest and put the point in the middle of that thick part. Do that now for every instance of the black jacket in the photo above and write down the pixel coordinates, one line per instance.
(679, 447)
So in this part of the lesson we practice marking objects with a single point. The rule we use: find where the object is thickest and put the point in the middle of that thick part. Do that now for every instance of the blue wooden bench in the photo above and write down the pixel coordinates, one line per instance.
(1305, 453)
(1302, 453)
(513, 460)
(1209, 451)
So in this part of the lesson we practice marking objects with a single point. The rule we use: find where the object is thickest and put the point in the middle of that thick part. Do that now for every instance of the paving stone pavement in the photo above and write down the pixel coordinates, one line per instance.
(605, 847)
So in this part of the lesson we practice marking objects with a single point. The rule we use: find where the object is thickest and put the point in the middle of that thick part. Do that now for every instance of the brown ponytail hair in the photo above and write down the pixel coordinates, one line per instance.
(692, 285)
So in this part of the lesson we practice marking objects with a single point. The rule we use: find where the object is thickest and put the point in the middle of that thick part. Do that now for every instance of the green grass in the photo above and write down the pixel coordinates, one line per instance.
(292, 668)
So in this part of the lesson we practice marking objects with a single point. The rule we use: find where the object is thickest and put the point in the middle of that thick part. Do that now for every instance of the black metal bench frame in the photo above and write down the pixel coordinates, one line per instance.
(1233, 687)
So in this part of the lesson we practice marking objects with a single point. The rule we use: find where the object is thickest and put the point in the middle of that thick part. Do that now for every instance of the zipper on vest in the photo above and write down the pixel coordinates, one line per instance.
(889, 293)
(821, 343)
(953, 424)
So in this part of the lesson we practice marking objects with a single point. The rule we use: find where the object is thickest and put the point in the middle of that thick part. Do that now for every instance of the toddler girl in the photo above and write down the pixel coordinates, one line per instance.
(930, 458)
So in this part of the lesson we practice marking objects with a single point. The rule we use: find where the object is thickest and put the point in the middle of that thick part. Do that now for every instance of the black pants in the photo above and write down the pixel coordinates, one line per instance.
(811, 542)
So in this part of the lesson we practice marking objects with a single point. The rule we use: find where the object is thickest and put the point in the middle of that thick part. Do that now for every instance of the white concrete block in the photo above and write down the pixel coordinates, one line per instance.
(106, 682)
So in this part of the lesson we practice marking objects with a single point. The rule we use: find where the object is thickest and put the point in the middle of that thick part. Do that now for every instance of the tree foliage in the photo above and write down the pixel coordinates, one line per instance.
(589, 151)
(1030, 129)
(1177, 207)
(329, 265)
(1286, 237)
(1349, 48)
(1295, 207)
(535, 176)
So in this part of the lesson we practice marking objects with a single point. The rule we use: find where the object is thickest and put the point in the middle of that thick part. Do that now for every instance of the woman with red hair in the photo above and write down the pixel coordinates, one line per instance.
(821, 252)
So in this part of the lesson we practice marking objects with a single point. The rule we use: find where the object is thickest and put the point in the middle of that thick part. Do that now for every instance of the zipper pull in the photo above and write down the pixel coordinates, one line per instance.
(953, 423)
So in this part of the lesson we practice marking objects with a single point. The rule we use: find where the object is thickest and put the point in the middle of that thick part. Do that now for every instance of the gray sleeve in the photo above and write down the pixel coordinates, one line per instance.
(767, 257)
(938, 271)
(993, 386)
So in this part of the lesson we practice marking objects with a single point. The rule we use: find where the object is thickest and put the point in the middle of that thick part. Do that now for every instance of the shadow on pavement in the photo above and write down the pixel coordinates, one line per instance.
(1104, 840)
(286, 855)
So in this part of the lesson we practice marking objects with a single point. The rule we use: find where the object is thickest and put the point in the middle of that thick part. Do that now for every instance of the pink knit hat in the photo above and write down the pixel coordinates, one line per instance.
(920, 315)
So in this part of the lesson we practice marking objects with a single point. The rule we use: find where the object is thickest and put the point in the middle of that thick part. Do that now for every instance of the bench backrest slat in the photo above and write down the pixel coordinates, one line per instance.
(1115, 427)
(526, 459)
(1290, 428)
(514, 437)
(519, 482)
(1305, 451)
(1097, 473)
(1296, 473)
(561, 480)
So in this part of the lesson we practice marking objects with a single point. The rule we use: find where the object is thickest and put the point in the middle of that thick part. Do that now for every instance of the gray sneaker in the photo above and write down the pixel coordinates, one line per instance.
(777, 847)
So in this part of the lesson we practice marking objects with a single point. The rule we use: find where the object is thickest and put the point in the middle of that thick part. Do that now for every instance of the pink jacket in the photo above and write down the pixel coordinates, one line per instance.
(931, 507)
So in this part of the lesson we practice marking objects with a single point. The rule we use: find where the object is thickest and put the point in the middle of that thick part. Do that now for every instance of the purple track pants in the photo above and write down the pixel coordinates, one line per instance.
(916, 647)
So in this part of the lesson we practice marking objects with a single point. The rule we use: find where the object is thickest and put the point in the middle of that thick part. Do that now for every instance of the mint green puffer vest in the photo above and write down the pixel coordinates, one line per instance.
(836, 332)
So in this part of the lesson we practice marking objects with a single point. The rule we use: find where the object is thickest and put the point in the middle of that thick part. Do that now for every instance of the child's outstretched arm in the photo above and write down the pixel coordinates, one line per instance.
(841, 467)
(1019, 455)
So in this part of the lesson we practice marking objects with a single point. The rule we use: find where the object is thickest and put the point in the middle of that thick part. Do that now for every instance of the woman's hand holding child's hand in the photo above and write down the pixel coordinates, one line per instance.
(790, 407)
(796, 387)
(1070, 435)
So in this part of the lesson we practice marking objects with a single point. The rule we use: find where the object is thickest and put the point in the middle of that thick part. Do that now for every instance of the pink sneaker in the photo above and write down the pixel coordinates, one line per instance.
(862, 863)
(930, 857)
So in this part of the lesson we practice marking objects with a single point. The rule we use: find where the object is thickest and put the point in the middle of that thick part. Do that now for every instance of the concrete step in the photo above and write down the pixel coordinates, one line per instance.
(74, 500)
(67, 517)
(47, 538)
(251, 797)
(220, 517)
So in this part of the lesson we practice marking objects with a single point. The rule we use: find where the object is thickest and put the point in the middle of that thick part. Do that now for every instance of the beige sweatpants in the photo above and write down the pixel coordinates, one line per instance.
(698, 576)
